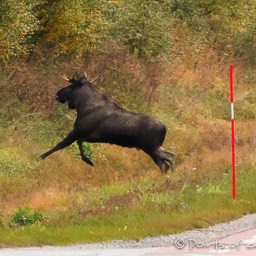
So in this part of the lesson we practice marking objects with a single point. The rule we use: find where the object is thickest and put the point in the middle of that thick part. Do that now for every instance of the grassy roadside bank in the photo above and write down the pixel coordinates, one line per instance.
(144, 208)
(124, 196)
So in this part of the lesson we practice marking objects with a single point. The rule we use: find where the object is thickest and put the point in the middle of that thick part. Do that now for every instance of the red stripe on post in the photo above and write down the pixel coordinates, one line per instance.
(232, 133)
(231, 84)
(233, 160)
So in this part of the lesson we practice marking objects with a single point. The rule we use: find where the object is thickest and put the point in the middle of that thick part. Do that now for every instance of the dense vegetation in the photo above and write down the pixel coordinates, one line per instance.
(167, 58)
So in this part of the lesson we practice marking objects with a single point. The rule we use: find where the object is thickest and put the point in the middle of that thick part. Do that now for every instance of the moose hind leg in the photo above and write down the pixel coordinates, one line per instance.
(163, 166)
(170, 154)
(168, 157)
(163, 159)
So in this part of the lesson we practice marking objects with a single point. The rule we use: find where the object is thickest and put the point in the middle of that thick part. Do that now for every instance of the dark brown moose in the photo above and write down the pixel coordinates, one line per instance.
(100, 120)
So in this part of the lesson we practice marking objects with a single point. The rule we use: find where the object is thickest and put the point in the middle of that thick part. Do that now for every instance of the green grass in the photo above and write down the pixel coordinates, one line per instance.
(155, 212)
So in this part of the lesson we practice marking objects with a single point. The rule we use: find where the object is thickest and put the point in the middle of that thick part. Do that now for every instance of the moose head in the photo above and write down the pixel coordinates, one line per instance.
(65, 94)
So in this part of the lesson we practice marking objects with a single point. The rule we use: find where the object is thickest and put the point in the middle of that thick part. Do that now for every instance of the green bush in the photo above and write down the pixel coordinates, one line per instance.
(1, 221)
(24, 216)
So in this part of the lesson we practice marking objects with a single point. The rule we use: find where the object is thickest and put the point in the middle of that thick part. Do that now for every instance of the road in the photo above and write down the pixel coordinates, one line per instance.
(239, 238)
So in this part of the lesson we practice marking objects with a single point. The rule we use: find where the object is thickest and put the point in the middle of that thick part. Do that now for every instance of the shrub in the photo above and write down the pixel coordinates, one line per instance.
(24, 216)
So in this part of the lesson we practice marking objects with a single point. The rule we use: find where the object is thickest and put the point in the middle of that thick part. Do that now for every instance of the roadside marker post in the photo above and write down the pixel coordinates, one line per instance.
(232, 131)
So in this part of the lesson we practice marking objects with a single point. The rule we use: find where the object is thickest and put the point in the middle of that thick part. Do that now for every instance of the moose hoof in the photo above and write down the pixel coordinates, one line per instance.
(88, 161)
(43, 156)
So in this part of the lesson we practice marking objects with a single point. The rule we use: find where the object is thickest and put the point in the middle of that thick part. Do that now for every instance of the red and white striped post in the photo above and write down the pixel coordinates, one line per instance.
(232, 132)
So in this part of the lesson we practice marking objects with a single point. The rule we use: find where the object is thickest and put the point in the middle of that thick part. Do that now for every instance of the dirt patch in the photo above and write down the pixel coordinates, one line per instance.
(120, 201)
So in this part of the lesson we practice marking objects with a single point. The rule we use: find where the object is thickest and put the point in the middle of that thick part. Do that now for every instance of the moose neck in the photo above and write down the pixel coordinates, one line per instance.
(85, 99)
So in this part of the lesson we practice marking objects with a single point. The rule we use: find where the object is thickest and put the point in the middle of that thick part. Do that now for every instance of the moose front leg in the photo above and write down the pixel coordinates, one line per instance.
(83, 155)
(66, 142)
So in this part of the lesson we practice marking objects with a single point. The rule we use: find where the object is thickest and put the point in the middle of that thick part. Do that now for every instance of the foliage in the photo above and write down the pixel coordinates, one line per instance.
(144, 26)
(245, 40)
(23, 216)
(17, 25)
(72, 26)
(1, 221)
(147, 28)
(214, 22)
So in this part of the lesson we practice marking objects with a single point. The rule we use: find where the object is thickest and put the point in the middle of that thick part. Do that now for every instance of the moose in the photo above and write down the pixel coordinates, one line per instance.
(103, 121)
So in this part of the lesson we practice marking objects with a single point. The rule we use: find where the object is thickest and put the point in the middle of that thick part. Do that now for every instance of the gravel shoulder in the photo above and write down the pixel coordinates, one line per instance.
(142, 247)
(206, 235)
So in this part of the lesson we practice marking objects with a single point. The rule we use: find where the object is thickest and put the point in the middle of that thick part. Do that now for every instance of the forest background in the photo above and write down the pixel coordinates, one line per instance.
(166, 58)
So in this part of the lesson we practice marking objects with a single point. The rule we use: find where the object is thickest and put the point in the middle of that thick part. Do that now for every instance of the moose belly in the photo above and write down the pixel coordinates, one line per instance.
(124, 140)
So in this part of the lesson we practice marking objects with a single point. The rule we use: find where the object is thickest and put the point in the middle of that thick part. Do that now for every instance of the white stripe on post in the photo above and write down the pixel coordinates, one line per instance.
(232, 111)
